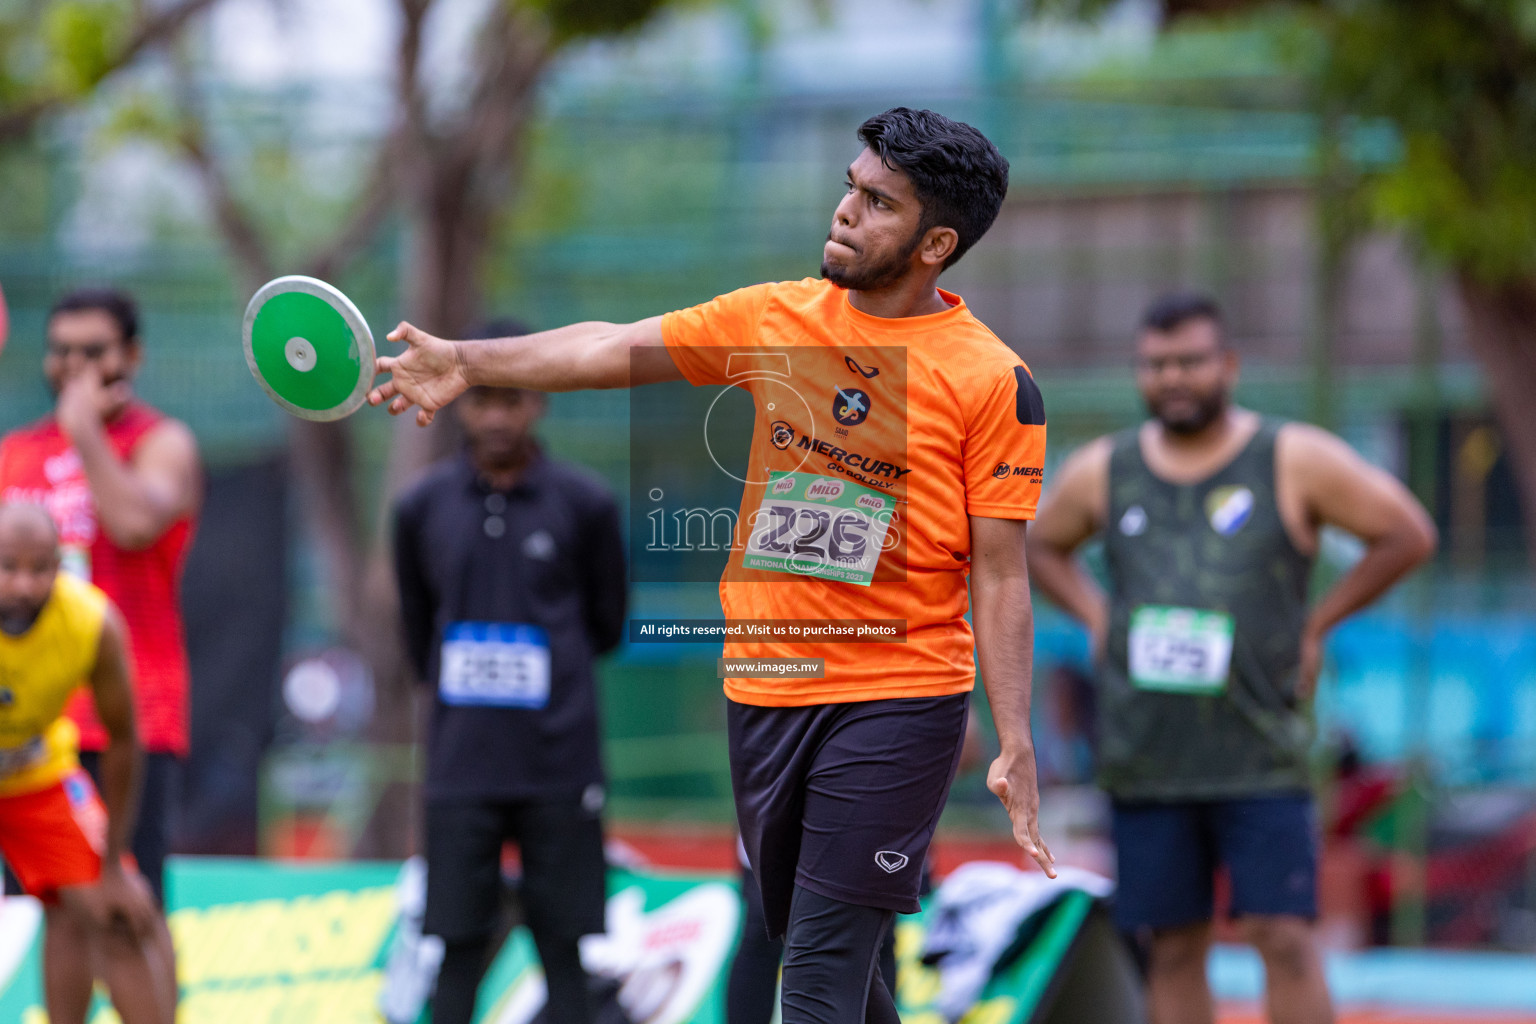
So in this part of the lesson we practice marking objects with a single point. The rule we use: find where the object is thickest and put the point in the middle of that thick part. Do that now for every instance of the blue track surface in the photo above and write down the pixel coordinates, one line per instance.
(1405, 978)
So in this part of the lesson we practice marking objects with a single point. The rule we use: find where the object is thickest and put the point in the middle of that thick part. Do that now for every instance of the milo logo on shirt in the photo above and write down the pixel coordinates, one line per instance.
(826, 490)
(784, 485)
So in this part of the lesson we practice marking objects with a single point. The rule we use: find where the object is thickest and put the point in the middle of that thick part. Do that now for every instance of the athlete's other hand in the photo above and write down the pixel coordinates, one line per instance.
(1012, 780)
(428, 374)
(119, 900)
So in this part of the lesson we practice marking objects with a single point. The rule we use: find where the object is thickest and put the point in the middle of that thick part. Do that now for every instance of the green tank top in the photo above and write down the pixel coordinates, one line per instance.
(1207, 599)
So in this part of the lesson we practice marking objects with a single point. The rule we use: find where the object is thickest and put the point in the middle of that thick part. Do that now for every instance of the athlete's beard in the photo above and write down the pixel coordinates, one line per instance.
(1208, 409)
(16, 619)
(872, 278)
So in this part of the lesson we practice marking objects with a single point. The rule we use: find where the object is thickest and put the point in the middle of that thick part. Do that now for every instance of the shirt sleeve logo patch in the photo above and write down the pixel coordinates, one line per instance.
(1029, 406)
(1002, 471)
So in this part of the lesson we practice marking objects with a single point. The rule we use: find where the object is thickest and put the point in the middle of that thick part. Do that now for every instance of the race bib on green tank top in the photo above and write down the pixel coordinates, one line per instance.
(1180, 650)
(819, 526)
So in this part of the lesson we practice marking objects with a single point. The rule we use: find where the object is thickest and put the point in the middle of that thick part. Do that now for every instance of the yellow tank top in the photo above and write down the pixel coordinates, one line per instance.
(39, 670)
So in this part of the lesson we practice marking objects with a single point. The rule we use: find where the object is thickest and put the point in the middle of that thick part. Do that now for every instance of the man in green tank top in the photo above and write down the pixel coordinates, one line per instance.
(1207, 651)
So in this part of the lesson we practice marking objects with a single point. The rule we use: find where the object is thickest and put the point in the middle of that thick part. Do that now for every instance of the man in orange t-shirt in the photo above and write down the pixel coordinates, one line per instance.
(897, 451)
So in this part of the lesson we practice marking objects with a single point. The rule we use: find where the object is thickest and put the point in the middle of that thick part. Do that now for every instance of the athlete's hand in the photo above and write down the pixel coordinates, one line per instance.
(1012, 780)
(85, 402)
(429, 374)
(120, 899)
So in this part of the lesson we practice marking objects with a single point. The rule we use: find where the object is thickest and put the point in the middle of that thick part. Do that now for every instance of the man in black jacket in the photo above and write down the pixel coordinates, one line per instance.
(512, 581)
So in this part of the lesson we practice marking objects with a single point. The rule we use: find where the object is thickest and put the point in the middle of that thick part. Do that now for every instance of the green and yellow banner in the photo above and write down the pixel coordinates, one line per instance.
(260, 942)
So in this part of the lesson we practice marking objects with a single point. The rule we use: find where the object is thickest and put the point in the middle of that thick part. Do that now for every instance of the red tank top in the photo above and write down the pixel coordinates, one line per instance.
(38, 465)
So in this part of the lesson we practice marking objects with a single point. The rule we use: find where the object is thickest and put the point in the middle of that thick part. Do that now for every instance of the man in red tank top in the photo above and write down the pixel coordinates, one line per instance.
(124, 484)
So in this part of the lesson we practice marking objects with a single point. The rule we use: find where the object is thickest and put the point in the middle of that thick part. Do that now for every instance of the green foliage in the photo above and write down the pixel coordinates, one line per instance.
(82, 37)
(60, 49)
(1457, 78)
(575, 19)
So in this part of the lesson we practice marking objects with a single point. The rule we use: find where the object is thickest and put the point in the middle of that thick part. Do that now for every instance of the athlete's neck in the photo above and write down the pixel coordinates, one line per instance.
(503, 473)
(18, 623)
(903, 299)
(1220, 432)
(1190, 458)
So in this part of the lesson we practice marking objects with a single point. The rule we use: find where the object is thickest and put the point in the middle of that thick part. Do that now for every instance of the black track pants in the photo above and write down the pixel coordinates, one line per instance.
(831, 960)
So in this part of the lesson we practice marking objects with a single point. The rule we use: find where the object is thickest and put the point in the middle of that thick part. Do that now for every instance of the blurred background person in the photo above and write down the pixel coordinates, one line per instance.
(67, 845)
(124, 484)
(1064, 745)
(1208, 651)
(512, 582)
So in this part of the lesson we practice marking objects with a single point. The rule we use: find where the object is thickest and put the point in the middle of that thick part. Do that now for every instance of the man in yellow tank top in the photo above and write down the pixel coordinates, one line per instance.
(61, 842)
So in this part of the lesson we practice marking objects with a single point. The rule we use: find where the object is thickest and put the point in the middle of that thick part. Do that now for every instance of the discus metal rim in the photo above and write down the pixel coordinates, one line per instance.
(333, 297)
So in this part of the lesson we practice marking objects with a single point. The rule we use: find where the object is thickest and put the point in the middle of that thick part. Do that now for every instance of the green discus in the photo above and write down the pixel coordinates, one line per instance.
(308, 347)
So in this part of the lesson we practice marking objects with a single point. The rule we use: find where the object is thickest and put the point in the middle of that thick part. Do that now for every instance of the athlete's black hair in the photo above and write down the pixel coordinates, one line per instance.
(112, 301)
(958, 175)
(1172, 310)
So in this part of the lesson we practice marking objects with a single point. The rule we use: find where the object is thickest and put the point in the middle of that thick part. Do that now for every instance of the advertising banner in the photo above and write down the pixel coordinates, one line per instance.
(270, 943)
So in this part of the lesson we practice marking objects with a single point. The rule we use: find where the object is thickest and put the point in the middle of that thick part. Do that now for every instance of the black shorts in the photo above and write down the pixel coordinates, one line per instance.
(564, 877)
(842, 799)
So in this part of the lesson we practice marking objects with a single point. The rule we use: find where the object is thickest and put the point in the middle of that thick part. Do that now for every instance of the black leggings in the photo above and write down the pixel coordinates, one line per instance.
(464, 964)
(754, 979)
(831, 956)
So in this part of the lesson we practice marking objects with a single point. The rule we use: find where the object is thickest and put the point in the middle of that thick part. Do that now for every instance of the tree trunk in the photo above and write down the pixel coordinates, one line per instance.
(1501, 329)
(459, 186)
(455, 177)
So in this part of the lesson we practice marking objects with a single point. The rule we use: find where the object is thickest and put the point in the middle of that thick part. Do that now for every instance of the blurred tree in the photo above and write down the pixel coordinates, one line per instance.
(1457, 80)
(55, 53)
(445, 165)
(448, 165)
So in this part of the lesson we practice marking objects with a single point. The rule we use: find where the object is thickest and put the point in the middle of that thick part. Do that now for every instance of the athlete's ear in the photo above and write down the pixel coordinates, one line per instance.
(1231, 365)
(938, 245)
(133, 356)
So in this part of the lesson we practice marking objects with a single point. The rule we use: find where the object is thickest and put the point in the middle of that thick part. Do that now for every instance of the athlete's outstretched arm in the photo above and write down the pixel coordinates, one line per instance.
(1339, 488)
(432, 372)
(1072, 510)
(1005, 642)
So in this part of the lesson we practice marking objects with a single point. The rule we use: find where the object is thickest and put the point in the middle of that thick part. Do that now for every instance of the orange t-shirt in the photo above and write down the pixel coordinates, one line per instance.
(874, 439)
